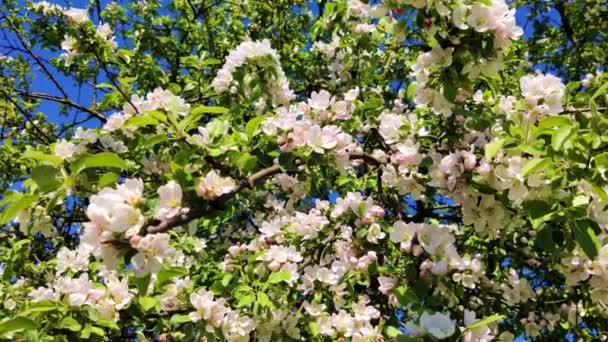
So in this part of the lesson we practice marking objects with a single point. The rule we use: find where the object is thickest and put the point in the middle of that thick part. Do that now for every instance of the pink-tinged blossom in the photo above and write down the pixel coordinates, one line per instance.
(497, 18)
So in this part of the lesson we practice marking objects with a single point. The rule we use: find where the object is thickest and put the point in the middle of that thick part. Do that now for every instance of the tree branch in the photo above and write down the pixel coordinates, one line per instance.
(366, 158)
(112, 79)
(34, 56)
(64, 101)
(29, 118)
(163, 225)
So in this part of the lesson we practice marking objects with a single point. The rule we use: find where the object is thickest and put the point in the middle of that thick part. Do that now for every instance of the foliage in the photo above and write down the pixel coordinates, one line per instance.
(295, 170)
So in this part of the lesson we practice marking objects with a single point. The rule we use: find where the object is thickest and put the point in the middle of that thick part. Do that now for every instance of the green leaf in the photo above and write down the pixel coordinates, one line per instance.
(103, 159)
(246, 162)
(411, 92)
(126, 80)
(406, 296)
(226, 279)
(208, 109)
(108, 179)
(177, 320)
(535, 165)
(217, 128)
(140, 121)
(600, 192)
(560, 136)
(255, 257)
(392, 332)
(536, 148)
(88, 329)
(277, 277)
(601, 90)
(69, 323)
(252, 126)
(169, 274)
(43, 157)
(265, 301)
(544, 239)
(46, 177)
(314, 328)
(41, 306)
(538, 212)
(601, 160)
(104, 85)
(485, 321)
(107, 323)
(244, 296)
(554, 121)
(595, 110)
(147, 303)
(142, 284)
(18, 204)
(191, 120)
(493, 148)
(584, 234)
(125, 55)
(155, 139)
(217, 288)
(450, 91)
(159, 116)
(211, 61)
(18, 323)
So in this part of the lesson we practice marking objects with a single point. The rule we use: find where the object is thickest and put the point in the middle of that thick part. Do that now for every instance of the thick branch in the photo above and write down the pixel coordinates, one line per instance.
(159, 226)
(366, 158)
(163, 225)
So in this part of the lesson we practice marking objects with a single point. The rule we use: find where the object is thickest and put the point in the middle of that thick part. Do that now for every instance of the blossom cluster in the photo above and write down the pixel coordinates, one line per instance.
(155, 100)
(301, 125)
(335, 241)
(108, 300)
(246, 52)
(494, 17)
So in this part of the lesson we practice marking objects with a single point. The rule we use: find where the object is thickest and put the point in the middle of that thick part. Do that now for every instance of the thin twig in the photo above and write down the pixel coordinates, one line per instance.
(64, 101)
(31, 120)
(114, 83)
(31, 53)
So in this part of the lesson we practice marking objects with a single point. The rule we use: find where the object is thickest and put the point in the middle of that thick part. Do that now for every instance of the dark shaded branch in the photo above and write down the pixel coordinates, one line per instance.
(582, 110)
(163, 225)
(160, 226)
(560, 6)
(112, 79)
(64, 101)
(366, 158)
(29, 118)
